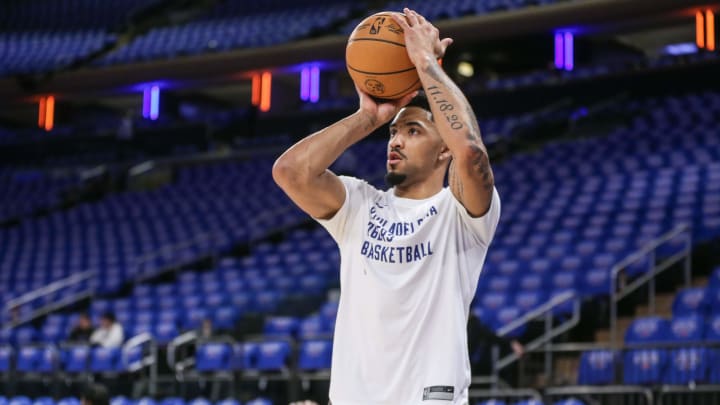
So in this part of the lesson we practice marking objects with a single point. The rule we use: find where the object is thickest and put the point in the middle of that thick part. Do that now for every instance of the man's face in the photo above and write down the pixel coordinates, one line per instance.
(84, 322)
(413, 148)
(105, 323)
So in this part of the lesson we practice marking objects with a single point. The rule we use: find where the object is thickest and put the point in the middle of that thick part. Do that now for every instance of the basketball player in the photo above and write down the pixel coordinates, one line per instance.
(411, 255)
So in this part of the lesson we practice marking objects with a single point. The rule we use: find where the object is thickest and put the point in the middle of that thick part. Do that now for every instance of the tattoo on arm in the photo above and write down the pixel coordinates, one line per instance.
(481, 162)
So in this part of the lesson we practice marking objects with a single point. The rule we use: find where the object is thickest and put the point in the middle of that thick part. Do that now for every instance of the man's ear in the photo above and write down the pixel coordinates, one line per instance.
(444, 154)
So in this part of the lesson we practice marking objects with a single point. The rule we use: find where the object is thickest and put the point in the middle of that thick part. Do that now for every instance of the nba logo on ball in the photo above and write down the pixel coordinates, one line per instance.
(377, 60)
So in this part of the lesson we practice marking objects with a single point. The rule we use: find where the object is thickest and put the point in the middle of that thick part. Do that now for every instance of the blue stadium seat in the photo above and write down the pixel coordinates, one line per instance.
(105, 359)
(597, 367)
(645, 367)
(690, 301)
(687, 365)
(121, 400)
(28, 358)
(492, 402)
(272, 355)
(259, 401)
(199, 401)
(569, 401)
(6, 358)
(165, 332)
(213, 357)
(315, 355)
(68, 401)
(44, 401)
(687, 328)
(145, 401)
(281, 326)
(530, 402)
(75, 359)
(647, 329)
(172, 401)
(20, 400)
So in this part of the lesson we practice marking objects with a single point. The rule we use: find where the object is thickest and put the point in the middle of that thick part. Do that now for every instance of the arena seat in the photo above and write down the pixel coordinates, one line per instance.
(213, 357)
(315, 355)
(647, 330)
(105, 359)
(691, 301)
(597, 367)
(75, 359)
(687, 366)
(272, 355)
(644, 366)
(687, 328)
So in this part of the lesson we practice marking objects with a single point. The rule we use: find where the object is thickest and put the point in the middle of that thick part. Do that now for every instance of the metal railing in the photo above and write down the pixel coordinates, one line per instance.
(27, 298)
(649, 253)
(511, 395)
(544, 312)
(148, 360)
(626, 395)
(207, 240)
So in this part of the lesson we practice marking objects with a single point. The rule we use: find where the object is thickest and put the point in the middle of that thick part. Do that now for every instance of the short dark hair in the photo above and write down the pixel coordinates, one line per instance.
(421, 101)
(109, 316)
(96, 394)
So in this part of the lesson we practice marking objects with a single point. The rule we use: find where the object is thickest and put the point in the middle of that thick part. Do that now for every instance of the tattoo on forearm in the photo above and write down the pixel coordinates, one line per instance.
(481, 161)
(447, 108)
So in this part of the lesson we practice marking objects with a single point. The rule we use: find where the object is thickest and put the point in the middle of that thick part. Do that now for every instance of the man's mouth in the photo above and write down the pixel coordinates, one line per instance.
(394, 157)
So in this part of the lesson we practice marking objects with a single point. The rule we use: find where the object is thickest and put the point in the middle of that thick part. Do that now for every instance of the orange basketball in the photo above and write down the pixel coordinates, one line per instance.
(377, 60)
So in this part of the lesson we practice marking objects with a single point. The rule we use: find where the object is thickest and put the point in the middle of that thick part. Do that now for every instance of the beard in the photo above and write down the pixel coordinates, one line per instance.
(394, 179)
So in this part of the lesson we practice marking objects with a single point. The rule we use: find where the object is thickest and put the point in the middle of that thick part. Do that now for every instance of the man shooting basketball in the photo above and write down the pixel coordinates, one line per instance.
(411, 255)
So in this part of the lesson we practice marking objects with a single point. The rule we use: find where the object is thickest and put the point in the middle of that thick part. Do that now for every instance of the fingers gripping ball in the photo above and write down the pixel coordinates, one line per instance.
(377, 60)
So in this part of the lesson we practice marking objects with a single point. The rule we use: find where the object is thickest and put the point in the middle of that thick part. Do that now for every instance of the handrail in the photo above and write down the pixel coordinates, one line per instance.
(601, 390)
(648, 250)
(174, 344)
(505, 393)
(149, 360)
(550, 331)
(50, 288)
(170, 249)
(542, 309)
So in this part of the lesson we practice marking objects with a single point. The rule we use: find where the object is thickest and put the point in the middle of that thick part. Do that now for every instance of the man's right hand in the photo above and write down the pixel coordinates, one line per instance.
(380, 112)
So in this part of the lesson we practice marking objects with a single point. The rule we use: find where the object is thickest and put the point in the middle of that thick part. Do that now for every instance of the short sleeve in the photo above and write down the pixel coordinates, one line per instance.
(356, 195)
(482, 228)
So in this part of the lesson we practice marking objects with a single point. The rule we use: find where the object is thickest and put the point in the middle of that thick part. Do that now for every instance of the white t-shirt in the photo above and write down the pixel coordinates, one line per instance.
(409, 269)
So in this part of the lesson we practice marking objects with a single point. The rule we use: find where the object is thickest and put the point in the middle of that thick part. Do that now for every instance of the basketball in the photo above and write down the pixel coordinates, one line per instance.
(377, 60)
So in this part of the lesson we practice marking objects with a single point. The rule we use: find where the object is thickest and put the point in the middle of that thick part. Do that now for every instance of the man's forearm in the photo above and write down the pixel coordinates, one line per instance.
(453, 114)
(314, 154)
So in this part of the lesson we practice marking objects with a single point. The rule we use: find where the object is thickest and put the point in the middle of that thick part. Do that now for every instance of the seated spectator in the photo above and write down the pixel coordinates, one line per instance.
(109, 334)
(82, 330)
(206, 329)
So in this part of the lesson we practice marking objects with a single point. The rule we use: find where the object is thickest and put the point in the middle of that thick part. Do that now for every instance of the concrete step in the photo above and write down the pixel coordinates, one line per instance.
(566, 369)
(603, 335)
(700, 281)
(663, 306)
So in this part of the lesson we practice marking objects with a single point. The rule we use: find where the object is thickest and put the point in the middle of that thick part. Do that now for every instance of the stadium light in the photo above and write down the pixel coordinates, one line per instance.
(559, 51)
(314, 84)
(564, 50)
(710, 24)
(569, 51)
(265, 91)
(46, 113)
(700, 29)
(154, 102)
(255, 97)
(146, 103)
(305, 84)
